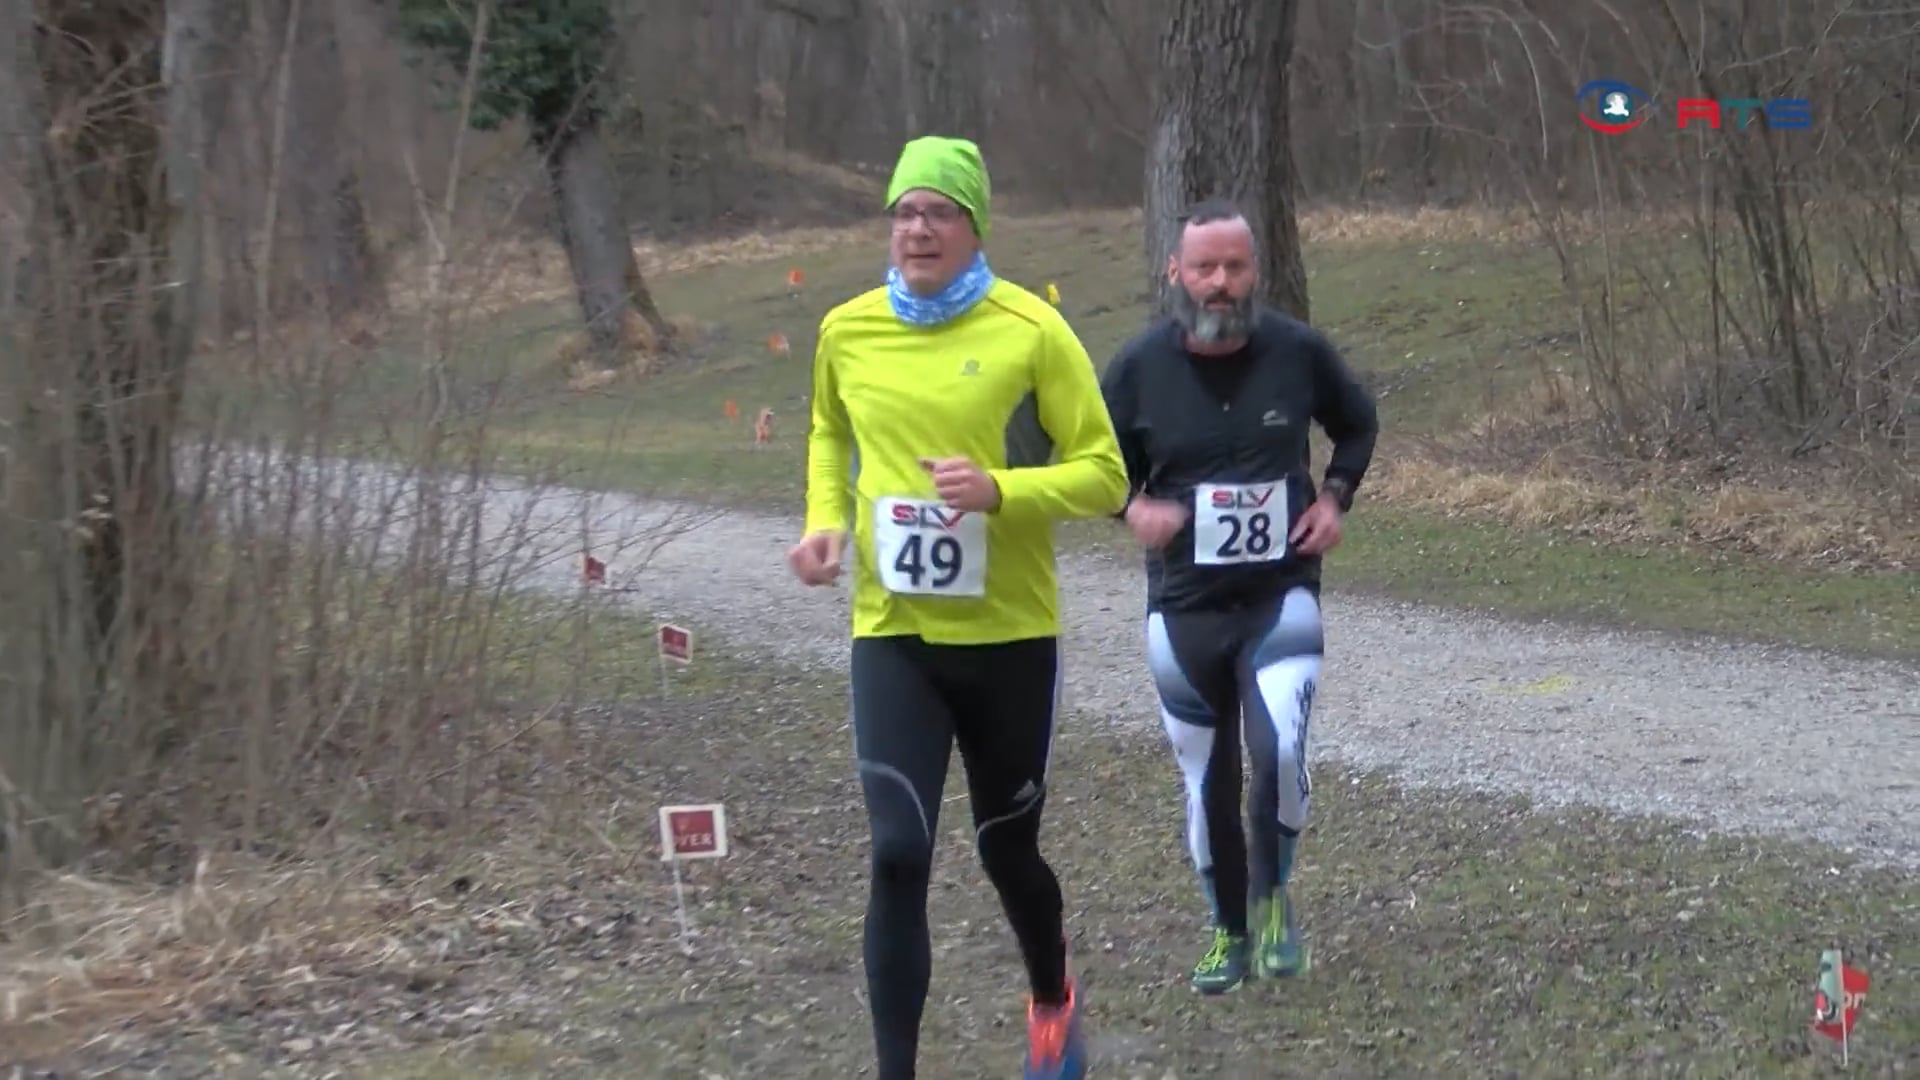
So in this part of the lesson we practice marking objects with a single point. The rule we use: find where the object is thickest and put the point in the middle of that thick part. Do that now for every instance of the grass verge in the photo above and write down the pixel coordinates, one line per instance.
(1453, 931)
(1447, 312)
(1551, 574)
(1464, 562)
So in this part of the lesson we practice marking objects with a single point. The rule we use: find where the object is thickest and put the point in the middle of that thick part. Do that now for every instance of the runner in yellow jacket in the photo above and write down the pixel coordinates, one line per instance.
(955, 418)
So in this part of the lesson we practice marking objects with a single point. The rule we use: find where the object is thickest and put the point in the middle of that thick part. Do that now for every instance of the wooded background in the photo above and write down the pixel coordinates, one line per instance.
(728, 116)
(180, 177)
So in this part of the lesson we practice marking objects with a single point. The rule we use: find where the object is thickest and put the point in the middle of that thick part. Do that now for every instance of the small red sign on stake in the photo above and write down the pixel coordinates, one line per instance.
(693, 832)
(696, 831)
(676, 643)
(1837, 997)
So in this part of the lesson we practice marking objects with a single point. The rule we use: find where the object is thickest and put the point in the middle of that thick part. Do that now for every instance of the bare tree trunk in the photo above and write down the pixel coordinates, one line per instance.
(100, 198)
(32, 783)
(946, 58)
(901, 40)
(337, 252)
(107, 350)
(827, 47)
(599, 248)
(201, 46)
(1221, 129)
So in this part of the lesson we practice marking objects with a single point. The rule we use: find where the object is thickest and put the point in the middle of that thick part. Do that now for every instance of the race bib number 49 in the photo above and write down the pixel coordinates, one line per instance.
(1239, 523)
(927, 548)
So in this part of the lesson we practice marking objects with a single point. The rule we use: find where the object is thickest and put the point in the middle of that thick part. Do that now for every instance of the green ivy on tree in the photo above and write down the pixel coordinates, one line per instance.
(540, 60)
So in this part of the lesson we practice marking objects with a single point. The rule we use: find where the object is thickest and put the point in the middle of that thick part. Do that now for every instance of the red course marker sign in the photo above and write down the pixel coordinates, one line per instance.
(676, 643)
(693, 832)
(1837, 1019)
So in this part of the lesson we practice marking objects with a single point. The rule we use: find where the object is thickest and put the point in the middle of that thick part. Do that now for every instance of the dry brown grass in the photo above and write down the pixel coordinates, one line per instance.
(90, 962)
(498, 274)
(1356, 225)
(1533, 461)
(823, 173)
(1796, 523)
(370, 938)
(504, 272)
(508, 272)
(1548, 398)
(511, 272)
(640, 346)
(89, 956)
(1404, 225)
(295, 345)
(757, 247)
(1346, 225)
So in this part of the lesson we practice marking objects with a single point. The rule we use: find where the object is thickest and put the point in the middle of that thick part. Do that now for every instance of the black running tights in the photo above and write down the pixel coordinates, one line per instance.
(913, 702)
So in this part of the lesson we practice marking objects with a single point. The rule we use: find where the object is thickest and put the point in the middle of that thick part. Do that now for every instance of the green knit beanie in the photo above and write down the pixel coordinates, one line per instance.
(952, 167)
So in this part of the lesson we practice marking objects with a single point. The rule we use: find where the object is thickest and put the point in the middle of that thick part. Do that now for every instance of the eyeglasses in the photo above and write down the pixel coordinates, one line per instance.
(939, 214)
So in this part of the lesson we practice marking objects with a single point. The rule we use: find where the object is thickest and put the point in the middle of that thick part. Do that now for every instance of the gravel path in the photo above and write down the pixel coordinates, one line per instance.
(1734, 737)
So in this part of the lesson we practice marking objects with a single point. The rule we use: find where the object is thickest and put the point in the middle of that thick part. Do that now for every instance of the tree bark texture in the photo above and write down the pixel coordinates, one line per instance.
(336, 250)
(823, 48)
(103, 204)
(946, 68)
(1220, 129)
(599, 249)
(104, 354)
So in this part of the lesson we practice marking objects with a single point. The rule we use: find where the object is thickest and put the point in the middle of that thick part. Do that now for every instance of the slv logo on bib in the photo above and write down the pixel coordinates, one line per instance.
(1239, 523)
(925, 547)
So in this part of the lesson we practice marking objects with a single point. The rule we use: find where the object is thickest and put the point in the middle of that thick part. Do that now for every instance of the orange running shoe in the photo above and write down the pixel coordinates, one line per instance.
(1056, 1049)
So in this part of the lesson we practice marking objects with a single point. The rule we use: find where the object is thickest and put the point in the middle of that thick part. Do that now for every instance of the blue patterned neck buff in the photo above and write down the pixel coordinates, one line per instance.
(958, 298)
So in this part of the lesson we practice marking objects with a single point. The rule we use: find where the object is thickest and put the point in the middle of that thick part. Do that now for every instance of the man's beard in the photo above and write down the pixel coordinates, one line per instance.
(1209, 325)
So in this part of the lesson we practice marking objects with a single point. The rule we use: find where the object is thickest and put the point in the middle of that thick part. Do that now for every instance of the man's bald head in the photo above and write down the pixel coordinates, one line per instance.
(1213, 217)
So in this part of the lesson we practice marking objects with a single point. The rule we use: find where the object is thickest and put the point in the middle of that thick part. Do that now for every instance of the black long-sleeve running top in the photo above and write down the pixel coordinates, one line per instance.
(1226, 436)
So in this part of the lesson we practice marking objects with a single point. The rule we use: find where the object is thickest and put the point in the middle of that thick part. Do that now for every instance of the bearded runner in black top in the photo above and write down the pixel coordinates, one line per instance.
(1212, 408)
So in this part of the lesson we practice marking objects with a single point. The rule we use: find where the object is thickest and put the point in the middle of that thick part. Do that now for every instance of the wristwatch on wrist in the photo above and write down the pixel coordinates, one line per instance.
(1341, 491)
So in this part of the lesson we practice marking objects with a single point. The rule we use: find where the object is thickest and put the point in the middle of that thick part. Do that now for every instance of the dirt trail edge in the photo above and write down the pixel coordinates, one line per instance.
(1735, 737)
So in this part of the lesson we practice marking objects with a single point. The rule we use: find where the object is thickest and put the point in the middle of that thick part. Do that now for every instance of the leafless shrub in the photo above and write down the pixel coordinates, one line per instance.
(262, 591)
(1752, 290)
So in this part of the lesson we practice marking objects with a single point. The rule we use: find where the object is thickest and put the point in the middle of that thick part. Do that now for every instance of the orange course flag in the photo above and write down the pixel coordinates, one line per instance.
(777, 345)
(732, 409)
(795, 278)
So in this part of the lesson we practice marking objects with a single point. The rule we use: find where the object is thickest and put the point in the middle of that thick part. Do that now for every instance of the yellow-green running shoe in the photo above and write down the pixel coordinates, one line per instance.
(1225, 965)
(1281, 951)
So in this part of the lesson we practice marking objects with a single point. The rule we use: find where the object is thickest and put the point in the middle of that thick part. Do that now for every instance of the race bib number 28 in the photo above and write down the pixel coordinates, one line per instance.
(1239, 523)
(927, 548)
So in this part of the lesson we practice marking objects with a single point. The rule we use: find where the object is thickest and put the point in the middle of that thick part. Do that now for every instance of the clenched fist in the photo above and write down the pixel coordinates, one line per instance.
(1155, 521)
(1318, 530)
(962, 484)
(815, 560)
